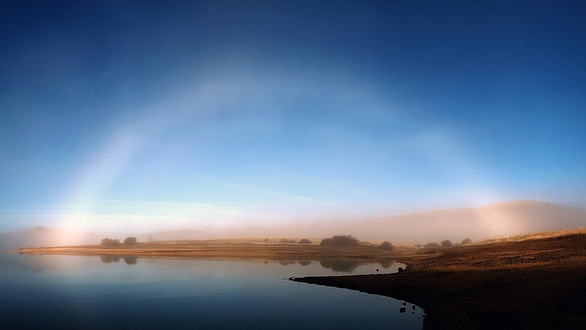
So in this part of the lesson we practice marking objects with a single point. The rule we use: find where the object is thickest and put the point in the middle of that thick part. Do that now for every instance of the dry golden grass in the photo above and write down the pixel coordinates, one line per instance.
(542, 235)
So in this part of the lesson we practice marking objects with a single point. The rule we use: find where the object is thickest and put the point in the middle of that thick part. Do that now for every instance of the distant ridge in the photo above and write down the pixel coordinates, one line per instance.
(477, 223)
(496, 220)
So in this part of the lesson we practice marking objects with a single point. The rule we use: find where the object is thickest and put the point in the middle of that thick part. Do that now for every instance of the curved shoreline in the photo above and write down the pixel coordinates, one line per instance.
(536, 283)
(532, 284)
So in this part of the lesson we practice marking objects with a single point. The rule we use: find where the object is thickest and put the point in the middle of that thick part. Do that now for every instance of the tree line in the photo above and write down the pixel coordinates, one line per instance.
(112, 242)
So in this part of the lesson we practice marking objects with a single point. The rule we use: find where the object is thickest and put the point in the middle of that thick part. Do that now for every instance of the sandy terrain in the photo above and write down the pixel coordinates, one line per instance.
(536, 283)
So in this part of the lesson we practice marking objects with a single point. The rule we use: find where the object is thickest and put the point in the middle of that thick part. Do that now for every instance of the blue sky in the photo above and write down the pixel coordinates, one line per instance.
(145, 115)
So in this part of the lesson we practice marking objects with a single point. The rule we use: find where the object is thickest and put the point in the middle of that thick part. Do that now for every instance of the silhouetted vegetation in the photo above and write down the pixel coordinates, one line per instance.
(305, 241)
(386, 245)
(130, 241)
(429, 248)
(341, 241)
(466, 241)
(447, 243)
(304, 262)
(288, 241)
(109, 242)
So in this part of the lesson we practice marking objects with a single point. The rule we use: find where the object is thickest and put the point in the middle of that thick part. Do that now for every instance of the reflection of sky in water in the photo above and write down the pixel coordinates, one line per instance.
(84, 292)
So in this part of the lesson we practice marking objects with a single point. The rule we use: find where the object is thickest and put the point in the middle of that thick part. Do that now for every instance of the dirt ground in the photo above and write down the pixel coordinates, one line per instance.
(531, 284)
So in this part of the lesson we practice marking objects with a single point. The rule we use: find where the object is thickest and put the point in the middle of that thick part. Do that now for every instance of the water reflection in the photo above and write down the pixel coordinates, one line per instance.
(386, 263)
(340, 265)
(350, 266)
(108, 259)
(74, 292)
(287, 262)
(130, 260)
(39, 263)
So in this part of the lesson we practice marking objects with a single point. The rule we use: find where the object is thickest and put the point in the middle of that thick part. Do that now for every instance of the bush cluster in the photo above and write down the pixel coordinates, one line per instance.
(340, 240)
(447, 243)
(386, 245)
(130, 241)
(109, 242)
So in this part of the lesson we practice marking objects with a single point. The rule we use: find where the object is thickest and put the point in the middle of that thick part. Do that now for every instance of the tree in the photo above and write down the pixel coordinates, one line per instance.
(446, 243)
(466, 241)
(305, 241)
(130, 241)
(109, 242)
(340, 240)
(386, 245)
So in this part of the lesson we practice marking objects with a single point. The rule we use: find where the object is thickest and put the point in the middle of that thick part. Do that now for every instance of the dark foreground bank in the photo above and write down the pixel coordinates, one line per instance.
(538, 284)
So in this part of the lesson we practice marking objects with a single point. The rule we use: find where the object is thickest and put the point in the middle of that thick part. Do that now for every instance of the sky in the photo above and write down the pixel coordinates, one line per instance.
(137, 116)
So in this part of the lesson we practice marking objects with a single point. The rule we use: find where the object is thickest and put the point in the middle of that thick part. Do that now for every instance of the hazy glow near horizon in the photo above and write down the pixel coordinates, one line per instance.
(209, 116)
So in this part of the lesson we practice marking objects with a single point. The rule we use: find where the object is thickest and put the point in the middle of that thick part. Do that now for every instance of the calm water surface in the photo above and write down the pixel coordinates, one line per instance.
(70, 292)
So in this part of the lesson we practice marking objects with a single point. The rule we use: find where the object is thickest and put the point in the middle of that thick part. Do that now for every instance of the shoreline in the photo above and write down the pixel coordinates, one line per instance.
(233, 251)
(531, 284)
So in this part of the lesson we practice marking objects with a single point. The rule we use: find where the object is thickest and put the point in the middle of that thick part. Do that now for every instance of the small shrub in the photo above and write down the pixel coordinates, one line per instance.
(431, 245)
(109, 242)
(466, 241)
(305, 241)
(386, 245)
(130, 241)
(340, 240)
(447, 243)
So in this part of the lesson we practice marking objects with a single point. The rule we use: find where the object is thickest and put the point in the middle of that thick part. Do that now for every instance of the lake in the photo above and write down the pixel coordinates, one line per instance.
(74, 292)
